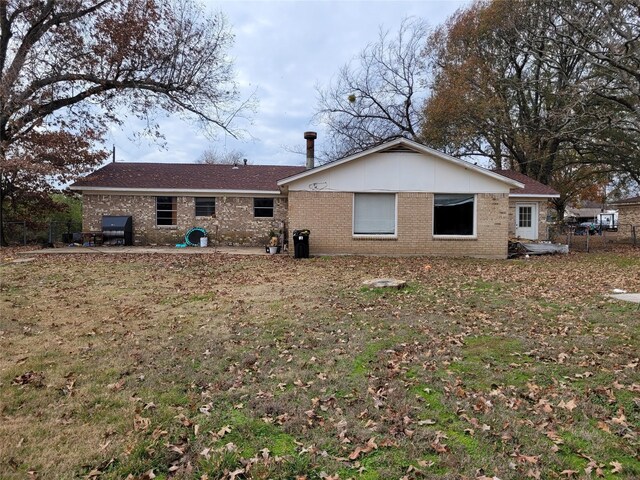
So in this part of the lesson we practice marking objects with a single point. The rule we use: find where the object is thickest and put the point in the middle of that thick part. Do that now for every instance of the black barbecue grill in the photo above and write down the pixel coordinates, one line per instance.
(117, 230)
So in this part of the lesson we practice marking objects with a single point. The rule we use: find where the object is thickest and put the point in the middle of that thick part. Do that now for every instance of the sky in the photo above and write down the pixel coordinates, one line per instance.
(283, 50)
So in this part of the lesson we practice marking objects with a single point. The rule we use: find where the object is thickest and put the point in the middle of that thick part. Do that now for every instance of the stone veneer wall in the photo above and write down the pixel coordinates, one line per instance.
(234, 218)
(543, 211)
(329, 216)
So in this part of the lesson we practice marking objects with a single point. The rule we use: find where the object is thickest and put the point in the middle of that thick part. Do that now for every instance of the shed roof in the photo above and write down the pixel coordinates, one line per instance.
(186, 176)
(583, 212)
(531, 187)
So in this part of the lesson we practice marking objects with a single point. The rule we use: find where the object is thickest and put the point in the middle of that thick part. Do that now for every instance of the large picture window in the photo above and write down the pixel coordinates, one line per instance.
(263, 207)
(166, 211)
(454, 214)
(374, 214)
(205, 206)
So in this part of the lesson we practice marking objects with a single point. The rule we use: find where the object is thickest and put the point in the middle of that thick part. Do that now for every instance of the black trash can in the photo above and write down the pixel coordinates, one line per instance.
(301, 243)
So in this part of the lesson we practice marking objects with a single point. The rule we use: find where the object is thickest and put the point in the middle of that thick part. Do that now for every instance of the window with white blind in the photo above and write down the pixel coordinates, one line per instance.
(374, 214)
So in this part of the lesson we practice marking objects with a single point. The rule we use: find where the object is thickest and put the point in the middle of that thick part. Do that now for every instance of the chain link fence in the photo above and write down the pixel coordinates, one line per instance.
(586, 240)
(45, 233)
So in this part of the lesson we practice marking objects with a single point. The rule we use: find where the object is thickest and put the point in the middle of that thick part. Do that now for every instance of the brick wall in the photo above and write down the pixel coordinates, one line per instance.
(233, 218)
(628, 214)
(329, 217)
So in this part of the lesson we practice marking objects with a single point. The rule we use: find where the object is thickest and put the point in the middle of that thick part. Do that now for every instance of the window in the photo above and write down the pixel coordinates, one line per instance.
(453, 214)
(524, 216)
(205, 206)
(374, 214)
(166, 211)
(263, 207)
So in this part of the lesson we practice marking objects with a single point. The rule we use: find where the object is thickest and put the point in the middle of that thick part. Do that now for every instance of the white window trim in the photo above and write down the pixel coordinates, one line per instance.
(455, 237)
(393, 235)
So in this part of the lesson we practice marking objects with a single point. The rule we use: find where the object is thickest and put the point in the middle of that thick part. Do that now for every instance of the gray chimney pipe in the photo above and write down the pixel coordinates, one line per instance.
(310, 137)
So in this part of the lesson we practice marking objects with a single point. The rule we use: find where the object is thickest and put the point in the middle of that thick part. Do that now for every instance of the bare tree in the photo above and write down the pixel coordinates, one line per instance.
(376, 96)
(70, 68)
(213, 157)
(608, 34)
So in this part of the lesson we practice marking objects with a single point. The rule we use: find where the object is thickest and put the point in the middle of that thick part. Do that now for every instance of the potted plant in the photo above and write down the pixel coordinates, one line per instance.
(274, 240)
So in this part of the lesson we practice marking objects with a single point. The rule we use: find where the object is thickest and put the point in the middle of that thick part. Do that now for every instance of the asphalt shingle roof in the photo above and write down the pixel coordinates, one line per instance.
(187, 176)
(198, 176)
(531, 186)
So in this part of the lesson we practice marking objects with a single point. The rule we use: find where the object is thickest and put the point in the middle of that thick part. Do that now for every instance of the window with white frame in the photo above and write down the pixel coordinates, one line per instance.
(166, 211)
(454, 214)
(205, 206)
(374, 214)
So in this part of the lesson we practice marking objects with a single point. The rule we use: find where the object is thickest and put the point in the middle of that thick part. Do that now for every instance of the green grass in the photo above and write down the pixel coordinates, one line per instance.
(488, 361)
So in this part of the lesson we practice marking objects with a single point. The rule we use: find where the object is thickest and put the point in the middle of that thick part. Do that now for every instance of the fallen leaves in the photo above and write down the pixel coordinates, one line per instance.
(141, 423)
(521, 361)
(570, 405)
(437, 445)
(370, 445)
(35, 379)
(616, 467)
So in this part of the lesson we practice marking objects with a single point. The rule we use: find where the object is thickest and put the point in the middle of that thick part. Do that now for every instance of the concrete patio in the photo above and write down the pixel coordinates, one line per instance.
(117, 250)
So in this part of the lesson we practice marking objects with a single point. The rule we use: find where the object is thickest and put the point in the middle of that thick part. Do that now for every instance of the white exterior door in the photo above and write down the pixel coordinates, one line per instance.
(527, 221)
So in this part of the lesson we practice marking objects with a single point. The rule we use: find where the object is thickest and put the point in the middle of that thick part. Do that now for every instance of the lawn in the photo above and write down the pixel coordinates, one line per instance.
(232, 367)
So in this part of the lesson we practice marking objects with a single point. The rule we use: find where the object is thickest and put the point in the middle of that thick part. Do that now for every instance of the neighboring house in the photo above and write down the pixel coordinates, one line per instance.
(628, 211)
(399, 198)
(402, 198)
(237, 203)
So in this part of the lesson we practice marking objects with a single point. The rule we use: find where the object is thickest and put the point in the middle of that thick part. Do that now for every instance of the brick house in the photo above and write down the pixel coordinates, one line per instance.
(239, 204)
(402, 198)
(628, 211)
(399, 198)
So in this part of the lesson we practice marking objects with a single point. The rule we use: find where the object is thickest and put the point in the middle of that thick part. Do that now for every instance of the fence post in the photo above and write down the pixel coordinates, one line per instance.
(24, 233)
(588, 234)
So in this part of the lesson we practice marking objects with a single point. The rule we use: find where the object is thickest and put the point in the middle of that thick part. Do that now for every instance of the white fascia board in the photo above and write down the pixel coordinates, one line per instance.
(538, 195)
(151, 191)
(409, 144)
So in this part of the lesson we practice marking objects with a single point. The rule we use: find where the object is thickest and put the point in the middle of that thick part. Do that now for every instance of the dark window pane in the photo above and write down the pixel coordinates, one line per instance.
(263, 207)
(453, 214)
(205, 207)
(166, 211)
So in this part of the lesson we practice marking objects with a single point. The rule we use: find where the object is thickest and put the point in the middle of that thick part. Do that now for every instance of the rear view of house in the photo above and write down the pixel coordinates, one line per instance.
(399, 198)
(402, 198)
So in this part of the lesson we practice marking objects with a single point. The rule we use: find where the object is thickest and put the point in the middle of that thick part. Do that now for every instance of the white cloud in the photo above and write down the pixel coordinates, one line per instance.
(283, 49)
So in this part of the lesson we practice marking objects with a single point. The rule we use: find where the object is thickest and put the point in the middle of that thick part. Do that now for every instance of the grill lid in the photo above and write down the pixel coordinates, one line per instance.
(116, 222)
